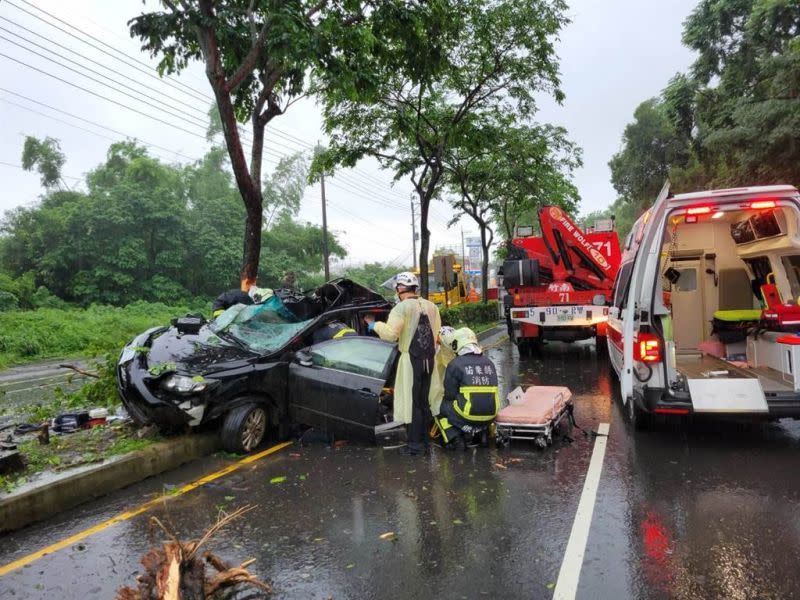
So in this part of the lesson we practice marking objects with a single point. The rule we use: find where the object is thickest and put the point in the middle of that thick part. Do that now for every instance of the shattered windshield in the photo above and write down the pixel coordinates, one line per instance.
(262, 327)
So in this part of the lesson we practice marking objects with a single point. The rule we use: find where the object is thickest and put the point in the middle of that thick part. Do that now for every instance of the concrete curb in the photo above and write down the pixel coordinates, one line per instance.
(490, 332)
(45, 499)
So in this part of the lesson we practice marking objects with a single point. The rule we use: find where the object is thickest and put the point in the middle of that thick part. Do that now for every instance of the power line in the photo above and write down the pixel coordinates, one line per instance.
(273, 129)
(8, 164)
(347, 184)
(100, 135)
(100, 95)
(146, 71)
(90, 60)
(190, 120)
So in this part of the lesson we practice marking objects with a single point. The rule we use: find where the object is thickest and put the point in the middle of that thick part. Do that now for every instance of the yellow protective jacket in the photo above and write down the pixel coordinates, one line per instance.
(400, 328)
(443, 357)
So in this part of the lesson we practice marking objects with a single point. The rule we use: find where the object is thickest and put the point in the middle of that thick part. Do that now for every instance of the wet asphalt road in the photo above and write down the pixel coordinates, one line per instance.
(706, 510)
(29, 385)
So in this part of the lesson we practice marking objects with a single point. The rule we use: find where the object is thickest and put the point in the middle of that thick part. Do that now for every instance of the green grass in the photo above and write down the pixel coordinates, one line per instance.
(29, 336)
(73, 450)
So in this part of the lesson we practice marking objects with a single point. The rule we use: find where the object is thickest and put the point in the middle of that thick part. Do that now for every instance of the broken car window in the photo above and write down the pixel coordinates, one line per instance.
(262, 327)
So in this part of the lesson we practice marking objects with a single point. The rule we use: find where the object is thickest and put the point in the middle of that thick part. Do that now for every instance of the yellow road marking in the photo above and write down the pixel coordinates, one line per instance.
(129, 514)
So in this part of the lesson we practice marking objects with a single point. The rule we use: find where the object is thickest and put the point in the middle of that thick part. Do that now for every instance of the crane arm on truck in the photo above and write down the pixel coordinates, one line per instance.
(574, 257)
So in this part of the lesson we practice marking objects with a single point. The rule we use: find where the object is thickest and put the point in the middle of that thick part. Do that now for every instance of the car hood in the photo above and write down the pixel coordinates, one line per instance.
(194, 354)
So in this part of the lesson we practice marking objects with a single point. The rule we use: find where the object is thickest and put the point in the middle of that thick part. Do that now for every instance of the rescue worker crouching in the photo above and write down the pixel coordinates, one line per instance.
(471, 400)
(411, 324)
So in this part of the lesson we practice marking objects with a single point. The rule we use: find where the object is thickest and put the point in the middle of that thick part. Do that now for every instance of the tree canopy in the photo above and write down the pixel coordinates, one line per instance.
(257, 54)
(148, 230)
(436, 66)
(732, 120)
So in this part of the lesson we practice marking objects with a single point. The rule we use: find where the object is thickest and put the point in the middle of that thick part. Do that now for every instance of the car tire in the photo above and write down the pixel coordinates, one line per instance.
(244, 428)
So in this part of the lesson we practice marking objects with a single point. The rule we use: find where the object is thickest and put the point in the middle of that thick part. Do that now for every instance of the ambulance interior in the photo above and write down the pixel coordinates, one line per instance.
(714, 264)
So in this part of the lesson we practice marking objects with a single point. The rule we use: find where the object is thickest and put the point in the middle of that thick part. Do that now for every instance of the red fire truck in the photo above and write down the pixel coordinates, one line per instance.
(560, 284)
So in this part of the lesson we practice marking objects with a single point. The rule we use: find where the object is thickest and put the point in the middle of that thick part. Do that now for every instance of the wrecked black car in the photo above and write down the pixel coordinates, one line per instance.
(257, 367)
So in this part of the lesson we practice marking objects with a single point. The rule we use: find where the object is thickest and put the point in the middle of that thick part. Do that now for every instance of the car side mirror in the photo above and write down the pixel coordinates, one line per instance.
(304, 358)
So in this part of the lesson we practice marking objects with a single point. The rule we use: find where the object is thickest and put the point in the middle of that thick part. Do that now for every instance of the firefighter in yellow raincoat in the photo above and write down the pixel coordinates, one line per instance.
(444, 354)
(411, 323)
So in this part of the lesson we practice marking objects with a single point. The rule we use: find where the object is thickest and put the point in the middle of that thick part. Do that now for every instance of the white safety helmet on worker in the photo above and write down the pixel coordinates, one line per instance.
(446, 336)
(406, 279)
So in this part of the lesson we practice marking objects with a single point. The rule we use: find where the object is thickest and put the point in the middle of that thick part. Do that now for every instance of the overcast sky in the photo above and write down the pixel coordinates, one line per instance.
(614, 55)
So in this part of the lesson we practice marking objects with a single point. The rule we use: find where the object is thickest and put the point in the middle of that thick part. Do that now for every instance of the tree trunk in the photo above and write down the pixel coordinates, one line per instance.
(426, 190)
(424, 242)
(249, 189)
(485, 243)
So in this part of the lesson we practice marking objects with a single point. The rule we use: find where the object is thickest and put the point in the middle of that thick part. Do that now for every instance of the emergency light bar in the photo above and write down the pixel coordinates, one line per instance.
(698, 210)
(759, 204)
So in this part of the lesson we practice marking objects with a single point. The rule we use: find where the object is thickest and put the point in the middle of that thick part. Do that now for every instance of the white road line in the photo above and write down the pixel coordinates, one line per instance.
(568, 576)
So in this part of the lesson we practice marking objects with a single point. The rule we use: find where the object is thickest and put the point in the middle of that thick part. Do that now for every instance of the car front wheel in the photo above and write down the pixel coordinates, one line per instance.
(244, 428)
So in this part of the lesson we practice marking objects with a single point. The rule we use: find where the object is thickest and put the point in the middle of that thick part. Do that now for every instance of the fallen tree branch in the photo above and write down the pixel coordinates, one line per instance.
(79, 371)
(175, 572)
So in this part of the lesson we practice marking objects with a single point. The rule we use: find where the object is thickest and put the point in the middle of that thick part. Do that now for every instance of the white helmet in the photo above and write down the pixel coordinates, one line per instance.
(446, 336)
(406, 279)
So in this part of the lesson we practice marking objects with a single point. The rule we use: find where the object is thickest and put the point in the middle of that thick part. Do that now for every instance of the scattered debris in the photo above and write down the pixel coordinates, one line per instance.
(80, 371)
(280, 479)
(10, 462)
(500, 466)
(389, 535)
(176, 571)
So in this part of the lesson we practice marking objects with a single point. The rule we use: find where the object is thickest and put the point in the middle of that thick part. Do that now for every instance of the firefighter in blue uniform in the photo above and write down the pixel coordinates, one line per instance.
(471, 400)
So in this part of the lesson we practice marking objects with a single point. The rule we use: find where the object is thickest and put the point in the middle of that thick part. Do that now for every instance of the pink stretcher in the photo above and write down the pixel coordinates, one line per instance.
(533, 414)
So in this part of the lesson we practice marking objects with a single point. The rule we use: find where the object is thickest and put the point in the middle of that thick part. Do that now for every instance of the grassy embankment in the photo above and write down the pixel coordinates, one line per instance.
(98, 332)
(32, 335)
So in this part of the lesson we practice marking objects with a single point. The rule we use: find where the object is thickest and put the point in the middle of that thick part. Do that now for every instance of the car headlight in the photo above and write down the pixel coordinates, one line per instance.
(182, 384)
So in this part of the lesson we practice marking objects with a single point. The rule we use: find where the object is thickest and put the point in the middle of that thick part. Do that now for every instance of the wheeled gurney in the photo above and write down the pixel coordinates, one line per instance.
(533, 414)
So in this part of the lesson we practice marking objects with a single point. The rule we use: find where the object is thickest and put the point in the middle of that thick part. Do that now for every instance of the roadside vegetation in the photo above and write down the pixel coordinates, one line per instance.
(475, 315)
(32, 335)
(73, 450)
(732, 120)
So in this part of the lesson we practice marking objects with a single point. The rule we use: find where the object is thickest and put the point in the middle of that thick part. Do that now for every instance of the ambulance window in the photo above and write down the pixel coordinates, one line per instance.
(792, 266)
(687, 282)
(623, 282)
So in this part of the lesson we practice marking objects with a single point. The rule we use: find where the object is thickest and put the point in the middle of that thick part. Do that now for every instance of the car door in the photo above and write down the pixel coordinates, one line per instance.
(336, 385)
(645, 270)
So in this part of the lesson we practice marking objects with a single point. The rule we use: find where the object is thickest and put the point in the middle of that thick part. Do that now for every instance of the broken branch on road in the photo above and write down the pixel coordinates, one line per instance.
(176, 572)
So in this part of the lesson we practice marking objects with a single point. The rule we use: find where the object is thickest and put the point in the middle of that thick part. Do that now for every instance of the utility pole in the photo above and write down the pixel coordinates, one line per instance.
(463, 253)
(325, 230)
(414, 231)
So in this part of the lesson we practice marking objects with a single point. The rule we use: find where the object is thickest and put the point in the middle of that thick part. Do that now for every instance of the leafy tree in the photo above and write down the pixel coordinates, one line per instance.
(535, 164)
(256, 55)
(284, 188)
(145, 230)
(436, 65)
(47, 158)
(650, 148)
(736, 113)
(298, 247)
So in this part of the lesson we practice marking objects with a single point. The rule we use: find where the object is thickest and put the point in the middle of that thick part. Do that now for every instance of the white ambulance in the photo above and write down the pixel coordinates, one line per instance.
(706, 306)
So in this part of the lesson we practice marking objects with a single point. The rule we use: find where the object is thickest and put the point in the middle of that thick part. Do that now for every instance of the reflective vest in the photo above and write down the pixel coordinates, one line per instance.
(470, 383)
